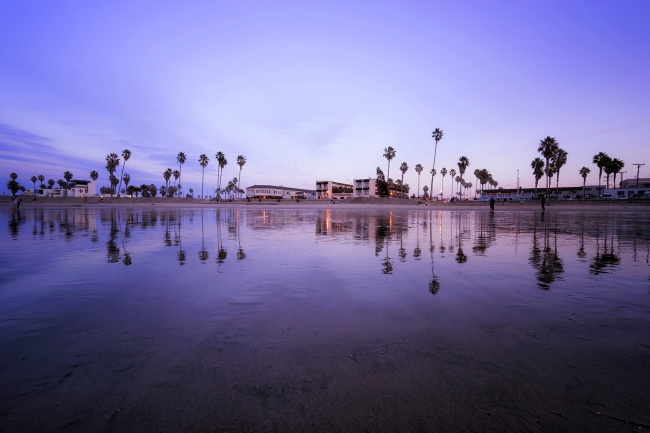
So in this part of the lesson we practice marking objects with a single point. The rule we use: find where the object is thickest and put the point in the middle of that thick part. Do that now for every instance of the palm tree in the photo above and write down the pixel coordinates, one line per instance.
(127, 179)
(418, 170)
(68, 177)
(437, 136)
(203, 161)
(452, 173)
(616, 166)
(112, 162)
(389, 153)
(443, 173)
(559, 159)
(34, 179)
(50, 183)
(41, 179)
(548, 148)
(425, 188)
(463, 163)
(176, 174)
(403, 168)
(221, 163)
(180, 158)
(601, 159)
(241, 161)
(94, 175)
(167, 175)
(126, 154)
(584, 171)
(538, 170)
(457, 179)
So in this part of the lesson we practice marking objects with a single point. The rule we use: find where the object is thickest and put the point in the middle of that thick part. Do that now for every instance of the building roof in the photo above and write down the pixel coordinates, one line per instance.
(281, 187)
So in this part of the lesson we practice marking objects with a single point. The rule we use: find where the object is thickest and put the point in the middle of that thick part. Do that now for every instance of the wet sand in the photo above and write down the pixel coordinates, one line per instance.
(354, 203)
(300, 372)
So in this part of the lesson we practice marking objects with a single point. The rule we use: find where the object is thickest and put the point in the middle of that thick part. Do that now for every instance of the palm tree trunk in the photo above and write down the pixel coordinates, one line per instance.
(435, 151)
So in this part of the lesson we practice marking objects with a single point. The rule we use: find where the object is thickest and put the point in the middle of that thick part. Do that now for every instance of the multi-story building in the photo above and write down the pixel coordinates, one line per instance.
(328, 190)
(365, 187)
(278, 192)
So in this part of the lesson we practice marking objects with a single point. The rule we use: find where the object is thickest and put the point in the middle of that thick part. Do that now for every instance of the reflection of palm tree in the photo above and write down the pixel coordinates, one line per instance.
(222, 254)
(545, 260)
(603, 263)
(434, 285)
(203, 253)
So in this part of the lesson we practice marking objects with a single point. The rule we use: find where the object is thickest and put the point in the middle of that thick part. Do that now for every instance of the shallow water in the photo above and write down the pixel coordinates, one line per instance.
(323, 320)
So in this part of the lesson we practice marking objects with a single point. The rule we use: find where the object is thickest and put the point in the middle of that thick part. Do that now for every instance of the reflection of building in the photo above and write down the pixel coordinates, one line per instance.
(78, 188)
(365, 187)
(278, 192)
(328, 190)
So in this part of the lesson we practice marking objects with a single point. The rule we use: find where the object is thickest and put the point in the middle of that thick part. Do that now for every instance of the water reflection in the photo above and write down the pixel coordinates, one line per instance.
(603, 243)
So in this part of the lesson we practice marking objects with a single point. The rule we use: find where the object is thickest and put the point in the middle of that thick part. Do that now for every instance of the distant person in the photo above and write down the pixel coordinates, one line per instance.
(492, 203)
(543, 202)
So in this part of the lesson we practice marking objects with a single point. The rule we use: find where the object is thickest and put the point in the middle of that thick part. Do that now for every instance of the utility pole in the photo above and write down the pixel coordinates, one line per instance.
(638, 167)
(517, 183)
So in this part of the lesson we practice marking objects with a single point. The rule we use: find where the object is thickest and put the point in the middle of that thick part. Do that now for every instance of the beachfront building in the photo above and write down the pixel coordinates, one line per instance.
(328, 190)
(263, 192)
(643, 183)
(78, 188)
(365, 187)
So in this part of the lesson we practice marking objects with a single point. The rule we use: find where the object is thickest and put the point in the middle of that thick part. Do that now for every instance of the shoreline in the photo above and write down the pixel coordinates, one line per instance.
(354, 203)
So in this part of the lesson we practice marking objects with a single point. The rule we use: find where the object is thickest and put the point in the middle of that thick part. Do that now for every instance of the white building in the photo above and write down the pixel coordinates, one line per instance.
(365, 187)
(328, 190)
(278, 193)
(78, 188)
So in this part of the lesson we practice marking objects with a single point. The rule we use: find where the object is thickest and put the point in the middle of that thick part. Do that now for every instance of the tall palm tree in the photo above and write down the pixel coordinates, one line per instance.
(443, 173)
(403, 168)
(126, 154)
(112, 162)
(203, 161)
(180, 158)
(559, 159)
(177, 175)
(221, 163)
(538, 170)
(617, 165)
(241, 161)
(452, 174)
(41, 179)
(463, 163)
(437, 136)
(547, 148)
(68, 177)
(127, 179)
(94, 175)
(601, 159)
(167, 175)
(418, 170)
(584, 171)
(389, 153)
(34, 179)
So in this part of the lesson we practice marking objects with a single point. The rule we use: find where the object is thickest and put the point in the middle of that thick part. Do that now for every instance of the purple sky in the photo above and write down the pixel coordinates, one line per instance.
(312, 91)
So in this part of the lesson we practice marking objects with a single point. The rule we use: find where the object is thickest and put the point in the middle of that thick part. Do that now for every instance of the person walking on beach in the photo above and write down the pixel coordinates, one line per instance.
(491, 203)
(543, 202)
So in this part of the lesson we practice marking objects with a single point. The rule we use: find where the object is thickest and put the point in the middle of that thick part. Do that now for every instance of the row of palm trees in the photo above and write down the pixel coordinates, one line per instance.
(555, 158)
(463, 162)
(221, 163)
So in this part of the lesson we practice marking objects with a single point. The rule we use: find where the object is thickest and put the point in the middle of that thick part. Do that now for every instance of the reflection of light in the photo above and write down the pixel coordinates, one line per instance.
(327, 221)
(390, 220)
